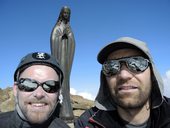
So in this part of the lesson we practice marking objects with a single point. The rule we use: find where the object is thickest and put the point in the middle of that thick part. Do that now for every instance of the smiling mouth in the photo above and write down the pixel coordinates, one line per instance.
(37, 104)
(126, 88)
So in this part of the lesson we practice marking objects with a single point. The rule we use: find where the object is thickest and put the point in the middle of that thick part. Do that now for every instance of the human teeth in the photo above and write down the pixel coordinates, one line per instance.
(38, 104)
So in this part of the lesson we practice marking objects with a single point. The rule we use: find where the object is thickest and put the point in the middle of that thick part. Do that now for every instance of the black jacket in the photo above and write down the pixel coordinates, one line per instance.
(12, 120)
(95, 118)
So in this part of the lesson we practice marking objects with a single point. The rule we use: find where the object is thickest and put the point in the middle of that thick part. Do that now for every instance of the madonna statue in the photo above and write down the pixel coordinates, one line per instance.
(62, 48)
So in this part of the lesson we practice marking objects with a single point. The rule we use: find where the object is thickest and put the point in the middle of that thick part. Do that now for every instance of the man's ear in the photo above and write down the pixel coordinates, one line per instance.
(15, 87)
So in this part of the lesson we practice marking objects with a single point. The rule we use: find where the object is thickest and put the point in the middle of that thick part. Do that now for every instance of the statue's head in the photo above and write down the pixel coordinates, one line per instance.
(65, 14)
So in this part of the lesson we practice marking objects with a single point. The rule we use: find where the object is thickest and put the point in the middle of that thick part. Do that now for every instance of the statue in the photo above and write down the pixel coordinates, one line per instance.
(63, 47)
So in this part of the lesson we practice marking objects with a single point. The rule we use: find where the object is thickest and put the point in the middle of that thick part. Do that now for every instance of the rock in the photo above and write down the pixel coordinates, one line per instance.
(6, 100)
(80, 104)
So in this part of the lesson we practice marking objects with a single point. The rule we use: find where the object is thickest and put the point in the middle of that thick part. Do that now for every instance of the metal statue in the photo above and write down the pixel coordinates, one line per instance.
(63, 48)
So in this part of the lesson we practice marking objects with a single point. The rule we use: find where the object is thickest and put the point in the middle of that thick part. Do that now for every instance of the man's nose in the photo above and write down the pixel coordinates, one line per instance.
(124, 72)
(39, 93)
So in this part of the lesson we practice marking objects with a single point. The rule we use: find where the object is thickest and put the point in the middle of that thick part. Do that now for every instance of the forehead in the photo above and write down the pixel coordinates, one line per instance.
(41, 70)
(66, 10)
(126, 52)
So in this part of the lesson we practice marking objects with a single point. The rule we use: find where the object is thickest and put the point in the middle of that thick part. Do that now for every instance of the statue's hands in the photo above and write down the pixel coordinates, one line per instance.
(67, 30)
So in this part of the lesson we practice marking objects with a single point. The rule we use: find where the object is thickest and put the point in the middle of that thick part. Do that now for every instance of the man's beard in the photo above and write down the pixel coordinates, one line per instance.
(138, 102)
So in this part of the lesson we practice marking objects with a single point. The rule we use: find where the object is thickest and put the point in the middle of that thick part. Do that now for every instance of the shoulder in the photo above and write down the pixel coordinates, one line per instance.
(84, 118)
(165, 107)
(5, 115)
(5, 119)
(88, 113)
(162, 115)
(167, 99)
(58, 123)
(166, 102)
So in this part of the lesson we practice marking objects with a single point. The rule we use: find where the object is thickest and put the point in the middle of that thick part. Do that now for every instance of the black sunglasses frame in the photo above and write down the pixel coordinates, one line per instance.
(108, 69)
(26, 88)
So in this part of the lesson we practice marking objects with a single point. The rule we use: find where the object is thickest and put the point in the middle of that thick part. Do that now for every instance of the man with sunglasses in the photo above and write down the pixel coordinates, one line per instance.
(130, 94)
(38, 80)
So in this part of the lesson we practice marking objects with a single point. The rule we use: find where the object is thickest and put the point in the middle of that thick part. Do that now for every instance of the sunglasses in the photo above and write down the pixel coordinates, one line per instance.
(29, 85)
(136, 64)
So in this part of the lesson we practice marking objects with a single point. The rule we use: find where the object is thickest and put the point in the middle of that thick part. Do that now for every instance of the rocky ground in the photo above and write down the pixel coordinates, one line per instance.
(79, 103)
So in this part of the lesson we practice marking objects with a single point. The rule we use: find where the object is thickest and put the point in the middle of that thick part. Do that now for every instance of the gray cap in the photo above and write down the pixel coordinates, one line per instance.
(38, 58)
(123, 42)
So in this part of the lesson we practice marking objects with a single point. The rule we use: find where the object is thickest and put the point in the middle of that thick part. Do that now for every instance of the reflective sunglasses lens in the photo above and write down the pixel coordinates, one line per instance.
(110, 67)
(137, 64)
(51, 86)
(134, 64)
(27, 85)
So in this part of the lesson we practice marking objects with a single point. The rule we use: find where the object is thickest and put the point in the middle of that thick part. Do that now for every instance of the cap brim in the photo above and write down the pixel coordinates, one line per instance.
(103, 54)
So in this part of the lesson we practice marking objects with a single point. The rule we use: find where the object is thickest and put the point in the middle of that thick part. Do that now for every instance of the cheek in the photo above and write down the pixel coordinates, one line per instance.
(53, 98)
(20, 99)
(145, 80)
(111, 81)
(146, 77)
(23, 97)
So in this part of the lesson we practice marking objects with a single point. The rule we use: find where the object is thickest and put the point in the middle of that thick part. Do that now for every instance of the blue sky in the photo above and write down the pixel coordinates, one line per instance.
(26, 25)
